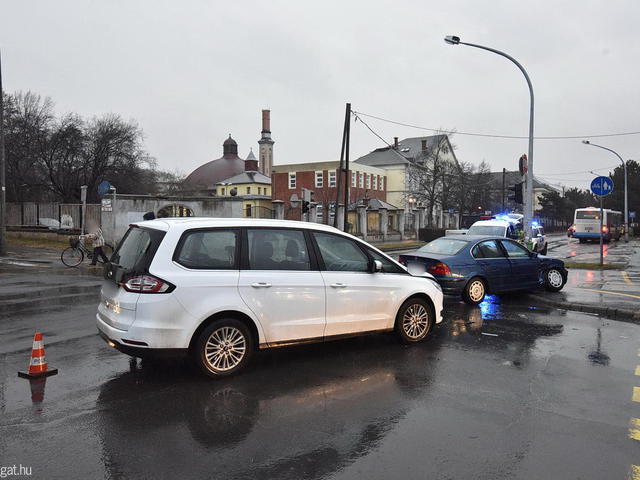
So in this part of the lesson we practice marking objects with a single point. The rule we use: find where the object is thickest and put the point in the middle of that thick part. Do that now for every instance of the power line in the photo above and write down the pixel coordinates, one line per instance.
(355, 114)
(488, 135)
(562, 174)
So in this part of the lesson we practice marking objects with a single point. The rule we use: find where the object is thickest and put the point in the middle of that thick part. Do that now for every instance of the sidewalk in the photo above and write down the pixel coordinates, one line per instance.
(612, 293)
(21, 258)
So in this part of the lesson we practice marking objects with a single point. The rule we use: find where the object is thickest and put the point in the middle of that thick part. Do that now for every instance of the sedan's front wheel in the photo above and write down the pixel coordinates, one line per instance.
(224, 347)
(553, 280)
(414, 321)
(474, 291)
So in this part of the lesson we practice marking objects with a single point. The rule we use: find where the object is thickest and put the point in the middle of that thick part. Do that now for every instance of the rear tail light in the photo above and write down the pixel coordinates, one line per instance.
(605, 229)
(439, 269)
(146, 284)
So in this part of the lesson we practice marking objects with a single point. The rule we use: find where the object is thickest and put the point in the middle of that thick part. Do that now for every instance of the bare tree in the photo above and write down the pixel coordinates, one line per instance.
(50, 157)
(480, 193)
(28, 118)
(426, 176)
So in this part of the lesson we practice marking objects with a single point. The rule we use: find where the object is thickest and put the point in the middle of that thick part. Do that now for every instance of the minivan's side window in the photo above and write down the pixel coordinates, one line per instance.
(487, 249)
(208, 249)
(277, 249)
(340, 253)
(515, 250)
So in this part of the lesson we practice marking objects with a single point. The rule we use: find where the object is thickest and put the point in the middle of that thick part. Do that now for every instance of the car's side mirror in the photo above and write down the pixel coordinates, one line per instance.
(376, 266)
(533, 254)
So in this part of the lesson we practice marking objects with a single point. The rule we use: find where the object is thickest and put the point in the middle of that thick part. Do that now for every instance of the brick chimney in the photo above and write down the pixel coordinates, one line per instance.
(265, 154)
(266, 121)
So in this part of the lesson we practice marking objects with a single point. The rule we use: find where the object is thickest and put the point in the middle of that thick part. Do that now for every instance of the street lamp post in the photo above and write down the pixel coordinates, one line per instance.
(626, 198)
(529, 201)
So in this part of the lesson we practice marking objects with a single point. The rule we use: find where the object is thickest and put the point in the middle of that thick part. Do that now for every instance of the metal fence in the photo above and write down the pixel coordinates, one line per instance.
(410, 220)
(64, 216)
(252, 211)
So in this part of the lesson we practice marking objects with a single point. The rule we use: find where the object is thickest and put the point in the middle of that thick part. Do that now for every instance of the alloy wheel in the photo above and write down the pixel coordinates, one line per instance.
(225, 349)
(415, 321)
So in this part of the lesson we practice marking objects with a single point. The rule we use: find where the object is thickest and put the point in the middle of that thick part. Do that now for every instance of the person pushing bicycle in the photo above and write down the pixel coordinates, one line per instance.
(97, 240)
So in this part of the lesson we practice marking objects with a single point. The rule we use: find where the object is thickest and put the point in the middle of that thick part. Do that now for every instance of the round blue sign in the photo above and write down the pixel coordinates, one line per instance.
(602, 186)
(104, 188)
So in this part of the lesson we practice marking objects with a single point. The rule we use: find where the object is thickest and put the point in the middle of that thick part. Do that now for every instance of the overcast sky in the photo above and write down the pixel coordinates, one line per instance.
(191, 72)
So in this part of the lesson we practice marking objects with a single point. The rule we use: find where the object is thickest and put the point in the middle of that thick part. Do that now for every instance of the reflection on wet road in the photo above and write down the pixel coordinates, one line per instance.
(503, 390)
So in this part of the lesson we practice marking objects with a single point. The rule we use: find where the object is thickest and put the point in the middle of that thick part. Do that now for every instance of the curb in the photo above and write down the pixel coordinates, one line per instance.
(620, 314)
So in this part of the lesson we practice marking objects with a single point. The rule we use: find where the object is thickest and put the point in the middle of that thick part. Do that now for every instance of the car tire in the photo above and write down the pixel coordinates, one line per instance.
(415, 320)
(474, 291)
(544, 250)
(224, 348)
(553, 280)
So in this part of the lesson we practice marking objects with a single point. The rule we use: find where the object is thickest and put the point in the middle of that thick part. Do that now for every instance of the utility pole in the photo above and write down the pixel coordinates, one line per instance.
(341, 169)
(3, 187)
(504, 179)
(344, 169)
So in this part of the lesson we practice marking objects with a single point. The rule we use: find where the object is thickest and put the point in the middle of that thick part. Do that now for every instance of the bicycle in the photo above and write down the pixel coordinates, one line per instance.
(74, 254)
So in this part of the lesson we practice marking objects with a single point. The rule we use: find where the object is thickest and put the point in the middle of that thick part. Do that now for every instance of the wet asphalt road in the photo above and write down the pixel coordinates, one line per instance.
(499, 391)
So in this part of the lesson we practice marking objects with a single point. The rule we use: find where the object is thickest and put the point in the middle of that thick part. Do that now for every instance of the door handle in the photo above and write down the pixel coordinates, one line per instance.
(261, 285)
(338, 285)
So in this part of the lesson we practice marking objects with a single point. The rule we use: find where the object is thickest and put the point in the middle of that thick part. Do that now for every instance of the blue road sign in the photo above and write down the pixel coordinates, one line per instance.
(103, 188)
(602, 186)
(632, 214)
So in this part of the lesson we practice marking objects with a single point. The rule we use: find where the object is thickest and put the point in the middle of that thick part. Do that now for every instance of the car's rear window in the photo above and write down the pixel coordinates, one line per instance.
(136, 249)
(487, 230)
(443, 246)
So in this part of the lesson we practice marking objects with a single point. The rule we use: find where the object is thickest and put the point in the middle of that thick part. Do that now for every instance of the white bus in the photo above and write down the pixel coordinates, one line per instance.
(586, 224)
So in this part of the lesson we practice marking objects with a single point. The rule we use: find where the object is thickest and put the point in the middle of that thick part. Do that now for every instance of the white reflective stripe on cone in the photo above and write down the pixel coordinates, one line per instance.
(37, 344)
(37, 361)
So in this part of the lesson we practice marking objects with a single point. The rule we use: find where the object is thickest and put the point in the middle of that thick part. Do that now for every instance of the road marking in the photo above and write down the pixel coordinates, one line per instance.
(625, 275)
(638, 368)
(612, 293)
(636, 394)
(634, 472)
(634, 429)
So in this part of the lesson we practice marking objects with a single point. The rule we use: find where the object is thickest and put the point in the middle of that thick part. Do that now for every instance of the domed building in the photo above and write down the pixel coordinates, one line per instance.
(208, 175)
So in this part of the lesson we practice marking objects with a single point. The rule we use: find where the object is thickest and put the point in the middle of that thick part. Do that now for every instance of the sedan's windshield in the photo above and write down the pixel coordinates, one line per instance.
(443, 246)
(486, 230)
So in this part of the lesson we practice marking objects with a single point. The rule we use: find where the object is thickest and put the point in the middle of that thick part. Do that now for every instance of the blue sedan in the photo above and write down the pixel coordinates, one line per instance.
(473, 266)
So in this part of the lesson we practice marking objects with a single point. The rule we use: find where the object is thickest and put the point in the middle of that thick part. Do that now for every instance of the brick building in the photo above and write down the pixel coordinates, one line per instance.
(322, 178)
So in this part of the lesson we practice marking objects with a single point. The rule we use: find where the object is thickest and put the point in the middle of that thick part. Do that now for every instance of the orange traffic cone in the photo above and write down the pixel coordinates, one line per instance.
(38, 365)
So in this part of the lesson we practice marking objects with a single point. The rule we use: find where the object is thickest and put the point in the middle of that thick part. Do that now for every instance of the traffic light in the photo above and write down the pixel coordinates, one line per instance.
(307, 198)
(516, 197)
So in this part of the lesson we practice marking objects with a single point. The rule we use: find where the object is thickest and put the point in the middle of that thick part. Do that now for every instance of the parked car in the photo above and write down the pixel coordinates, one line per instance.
(221, 288)
(472, 266)
(511, 228)
(539, 239)
(497, 228)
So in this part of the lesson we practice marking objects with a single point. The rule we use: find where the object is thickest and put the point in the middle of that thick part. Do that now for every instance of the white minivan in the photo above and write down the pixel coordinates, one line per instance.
(219, 289)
